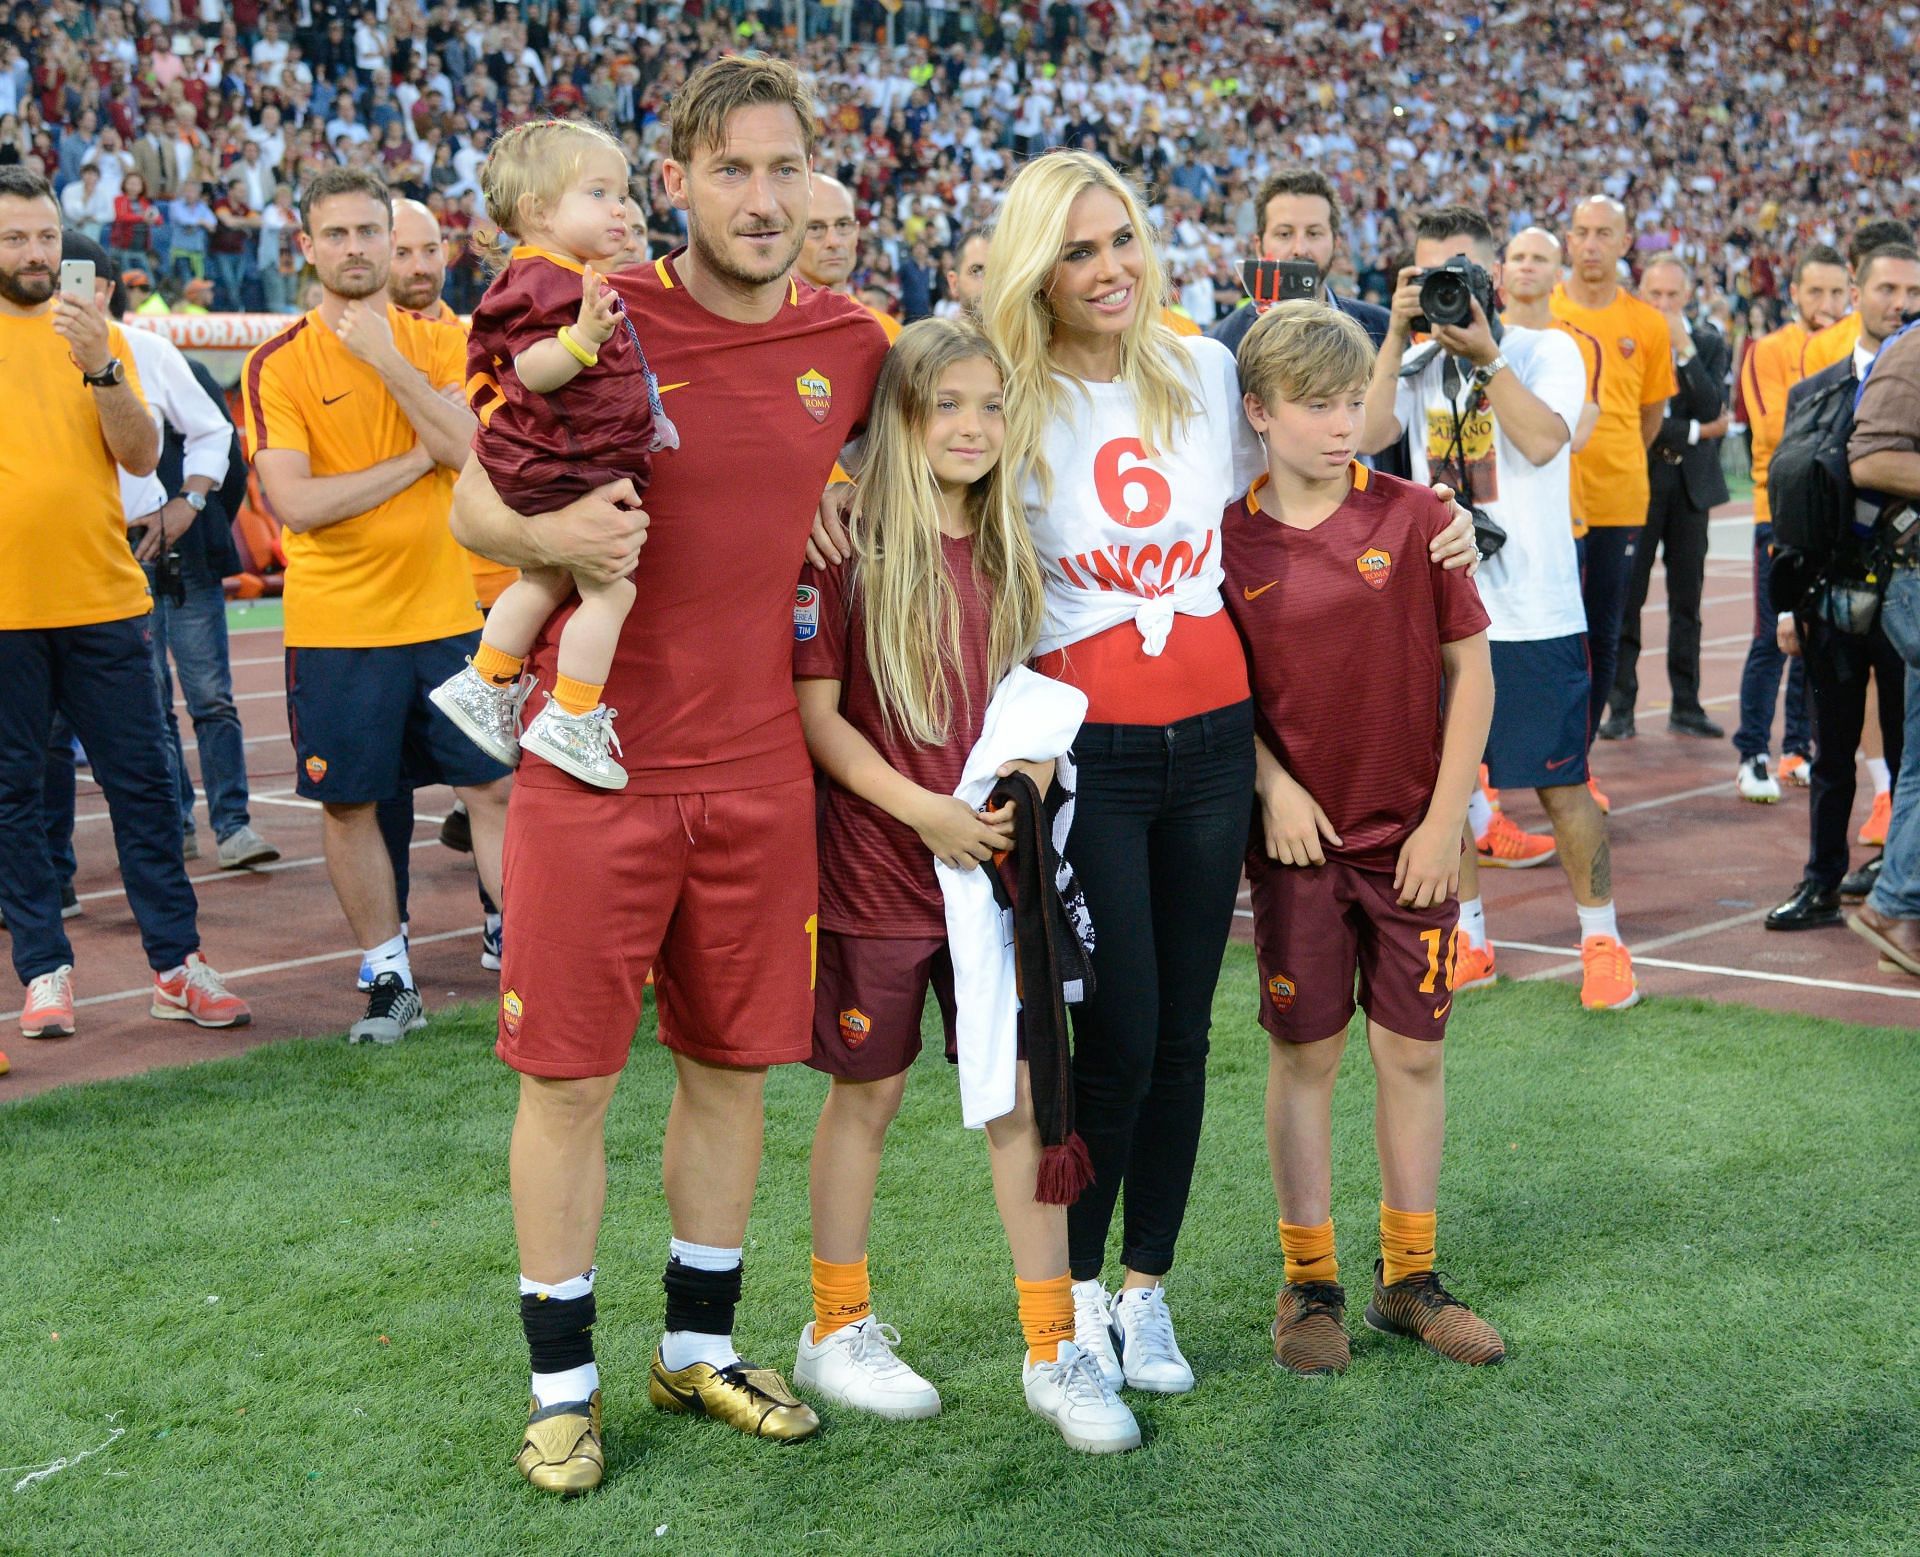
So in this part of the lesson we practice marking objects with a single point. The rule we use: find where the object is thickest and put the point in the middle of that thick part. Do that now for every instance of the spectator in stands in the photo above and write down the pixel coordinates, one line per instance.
(1839, 664)
(1885, 458)
(73, 414)
(190, 222)
(230, 246)
(85, 204)
(278, 256)
(1820, 294)
(1684, 483)
(134, 237)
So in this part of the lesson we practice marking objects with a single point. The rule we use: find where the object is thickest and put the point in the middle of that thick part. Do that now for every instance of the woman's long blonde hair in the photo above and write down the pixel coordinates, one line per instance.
(912, 609)
(1027, 240)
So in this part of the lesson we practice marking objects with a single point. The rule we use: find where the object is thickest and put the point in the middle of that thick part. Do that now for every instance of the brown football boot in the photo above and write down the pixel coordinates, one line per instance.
(1420, 1307)
(1309, 1332)
(561, 1450)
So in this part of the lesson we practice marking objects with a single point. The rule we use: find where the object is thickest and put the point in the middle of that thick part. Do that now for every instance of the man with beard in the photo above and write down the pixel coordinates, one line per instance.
(354, 423)
(74, 636)
(967, 276)
(702, 868)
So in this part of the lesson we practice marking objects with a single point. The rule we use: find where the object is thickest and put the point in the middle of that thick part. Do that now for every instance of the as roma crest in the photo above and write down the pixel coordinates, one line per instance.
(854, 1027)
(1374, 565)
(316, 768)
(511, 1007)
(816, 393)
(1280, 991)
(1628, 346)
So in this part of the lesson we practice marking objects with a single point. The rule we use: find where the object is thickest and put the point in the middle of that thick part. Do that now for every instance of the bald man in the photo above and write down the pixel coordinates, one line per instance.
(419, 271)
(832, 246)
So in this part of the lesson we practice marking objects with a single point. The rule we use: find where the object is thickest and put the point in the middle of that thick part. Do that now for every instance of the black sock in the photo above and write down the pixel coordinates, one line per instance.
(559, 1331)
(701, 1300)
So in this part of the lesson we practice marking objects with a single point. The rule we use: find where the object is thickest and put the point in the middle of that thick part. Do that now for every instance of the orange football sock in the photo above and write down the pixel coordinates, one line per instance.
(496, 665)
(1046, 1315)
(1309, 1252)
(841, 1295)
(577, 697)
(1406, 1242)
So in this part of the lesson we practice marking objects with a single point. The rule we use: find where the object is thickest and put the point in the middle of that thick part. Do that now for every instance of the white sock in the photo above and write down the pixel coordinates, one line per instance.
(570, 1383)
(391, 957)
(1882, 778)
(1479, 812)
(493, 924)
(1598, 921)
(683, 1348)
(1473, 922)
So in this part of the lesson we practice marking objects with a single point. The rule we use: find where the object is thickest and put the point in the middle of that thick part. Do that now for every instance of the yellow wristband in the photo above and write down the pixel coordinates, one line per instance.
(580, 354)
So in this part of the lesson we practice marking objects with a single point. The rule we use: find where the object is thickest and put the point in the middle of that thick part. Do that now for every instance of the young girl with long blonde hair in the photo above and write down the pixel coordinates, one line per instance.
(897, 654)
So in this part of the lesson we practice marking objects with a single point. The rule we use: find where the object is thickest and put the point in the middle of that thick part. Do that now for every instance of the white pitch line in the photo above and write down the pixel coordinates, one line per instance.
(106, 894)
(1799, 979)
(1725, 786)
(266, 967)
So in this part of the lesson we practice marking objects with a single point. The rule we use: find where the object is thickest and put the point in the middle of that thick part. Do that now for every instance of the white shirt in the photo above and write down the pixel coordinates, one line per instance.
(1531, 586)
(174, 399)
(1126, 536)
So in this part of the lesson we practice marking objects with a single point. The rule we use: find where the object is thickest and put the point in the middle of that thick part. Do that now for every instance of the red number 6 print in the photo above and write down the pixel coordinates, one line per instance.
(1115, 486)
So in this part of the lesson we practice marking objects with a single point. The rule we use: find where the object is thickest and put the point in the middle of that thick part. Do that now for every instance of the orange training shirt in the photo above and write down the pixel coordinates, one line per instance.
(1771, 369)
(1636, 370)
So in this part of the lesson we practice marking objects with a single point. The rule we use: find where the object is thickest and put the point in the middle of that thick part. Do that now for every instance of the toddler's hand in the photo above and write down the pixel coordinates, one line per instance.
(599, 304)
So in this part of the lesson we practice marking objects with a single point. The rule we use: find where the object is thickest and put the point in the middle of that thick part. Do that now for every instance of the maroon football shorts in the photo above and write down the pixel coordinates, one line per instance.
(716, 893)
(1317, 927)
(868, 999)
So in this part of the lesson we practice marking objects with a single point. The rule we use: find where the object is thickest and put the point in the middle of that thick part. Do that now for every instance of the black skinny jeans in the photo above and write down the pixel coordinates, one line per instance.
(1159, 834)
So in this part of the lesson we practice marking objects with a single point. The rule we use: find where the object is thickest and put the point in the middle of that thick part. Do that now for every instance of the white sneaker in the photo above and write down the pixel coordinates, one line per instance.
(856, 1367)
(1756, 783)
(1071, 1394)
(1152, 1356)
(1094, 1333)
(581, 744)
(487, 715)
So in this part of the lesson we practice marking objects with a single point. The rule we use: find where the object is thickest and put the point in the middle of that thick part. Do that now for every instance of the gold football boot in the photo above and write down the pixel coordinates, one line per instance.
(754, 1400)
(561, 1451)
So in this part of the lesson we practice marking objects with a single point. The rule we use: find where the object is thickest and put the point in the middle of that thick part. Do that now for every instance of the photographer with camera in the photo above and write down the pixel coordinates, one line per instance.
(1829, 571)
(1493, 414)
(1884, 457)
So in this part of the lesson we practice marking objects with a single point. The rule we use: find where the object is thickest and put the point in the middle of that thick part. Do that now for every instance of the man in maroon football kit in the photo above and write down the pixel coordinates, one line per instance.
(702, 869)
(1373, 692)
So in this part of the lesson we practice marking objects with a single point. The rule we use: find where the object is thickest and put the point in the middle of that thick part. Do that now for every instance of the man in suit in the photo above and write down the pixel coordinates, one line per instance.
(153, 161)
(1683, 472)
(1300, 219)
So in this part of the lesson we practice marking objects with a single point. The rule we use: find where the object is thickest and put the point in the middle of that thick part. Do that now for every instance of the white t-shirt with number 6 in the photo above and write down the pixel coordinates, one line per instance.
(1133, 535)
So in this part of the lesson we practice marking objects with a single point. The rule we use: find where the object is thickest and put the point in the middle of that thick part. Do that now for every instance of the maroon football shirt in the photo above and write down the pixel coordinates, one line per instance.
(703, 676)
(1343, 625)
(543, 451)
(876, 876)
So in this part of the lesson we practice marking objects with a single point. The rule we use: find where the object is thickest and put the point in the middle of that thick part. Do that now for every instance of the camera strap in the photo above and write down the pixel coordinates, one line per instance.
(1450, 382)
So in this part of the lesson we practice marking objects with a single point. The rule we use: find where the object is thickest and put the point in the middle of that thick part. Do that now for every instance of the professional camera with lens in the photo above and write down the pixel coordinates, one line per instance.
(1447, 294)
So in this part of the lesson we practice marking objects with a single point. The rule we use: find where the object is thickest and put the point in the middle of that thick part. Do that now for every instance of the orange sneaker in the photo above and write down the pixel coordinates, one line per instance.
(48, 1012)
(1504, 846)
(1487, 789)
(194, 993)
(1472, 965)
(1795, 769)
(4, 1065)
(1606, 980)
(1605, 805)
(1874, 833)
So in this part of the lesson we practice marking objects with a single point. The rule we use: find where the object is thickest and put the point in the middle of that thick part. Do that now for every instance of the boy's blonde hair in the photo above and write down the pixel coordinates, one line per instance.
(533, 163)
(1304, 351)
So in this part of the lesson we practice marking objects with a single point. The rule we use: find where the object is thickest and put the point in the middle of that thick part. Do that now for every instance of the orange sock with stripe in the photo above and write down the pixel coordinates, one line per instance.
(842, 1296)
(1406, 1243)
(496, 665)
(577, 697)
(1046, 1316)
(1309, 1252)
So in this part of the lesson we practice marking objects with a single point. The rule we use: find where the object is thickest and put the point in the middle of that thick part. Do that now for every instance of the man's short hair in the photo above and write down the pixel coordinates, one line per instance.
(1304, 350)
(1306, 182)
(984, 234)
(697, 116)
(1453, 221)
(22, 183)
(1889, 251)
(329, 182)
(1817, 254)
(1668, 257)
(1869, 236)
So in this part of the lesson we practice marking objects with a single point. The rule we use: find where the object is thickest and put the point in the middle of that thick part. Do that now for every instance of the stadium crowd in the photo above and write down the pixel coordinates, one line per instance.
(1654, 232)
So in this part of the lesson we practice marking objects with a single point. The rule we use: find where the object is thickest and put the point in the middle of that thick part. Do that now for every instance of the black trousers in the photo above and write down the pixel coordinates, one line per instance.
(1159, 834)
(1837, 667)
(1679, 531)
(1606, 574)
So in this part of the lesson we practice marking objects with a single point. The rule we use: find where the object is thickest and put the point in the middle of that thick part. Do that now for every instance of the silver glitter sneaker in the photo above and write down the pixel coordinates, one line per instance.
(578, 744)
(487, 715)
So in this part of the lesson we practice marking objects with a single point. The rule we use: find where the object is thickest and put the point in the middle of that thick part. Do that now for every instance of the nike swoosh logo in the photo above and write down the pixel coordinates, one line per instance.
(1443, 1011)
(1554, 767)
(329, 399)
(1255, 594)
(667, 389)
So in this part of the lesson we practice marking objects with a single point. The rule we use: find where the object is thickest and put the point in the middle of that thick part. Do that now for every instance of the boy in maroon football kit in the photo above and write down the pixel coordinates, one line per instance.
(1373, 691)
(566, 404)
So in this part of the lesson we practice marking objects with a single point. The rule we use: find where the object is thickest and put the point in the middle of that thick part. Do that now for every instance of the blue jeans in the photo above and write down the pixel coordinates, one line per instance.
(1760, 680)
(196, 633)
(1897, 893)
(230, 273)
(101, 678)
